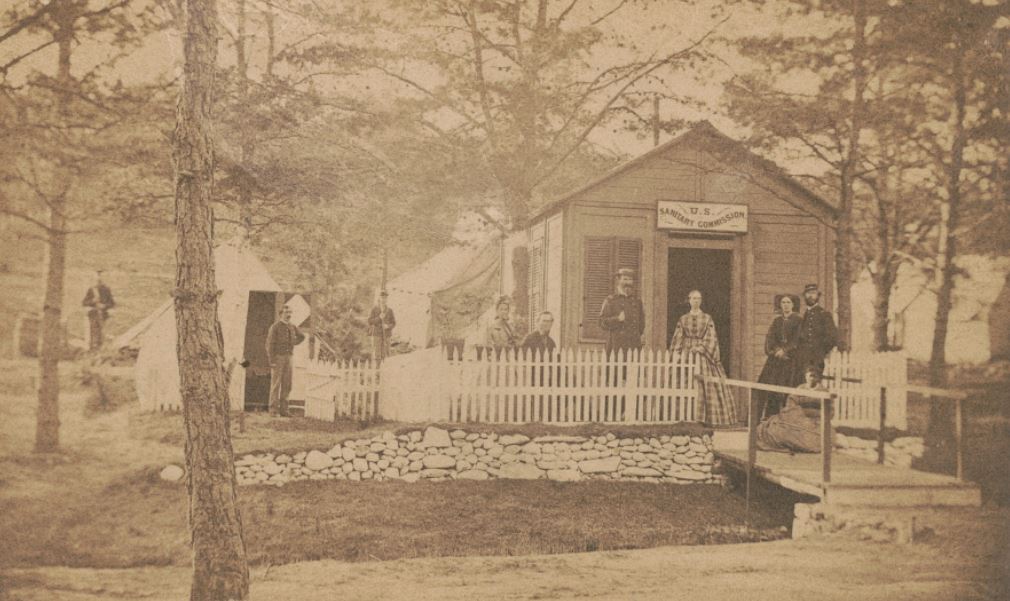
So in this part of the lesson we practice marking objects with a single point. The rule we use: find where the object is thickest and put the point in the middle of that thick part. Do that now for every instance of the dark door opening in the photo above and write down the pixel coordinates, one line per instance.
(711, 272)
(263, 311)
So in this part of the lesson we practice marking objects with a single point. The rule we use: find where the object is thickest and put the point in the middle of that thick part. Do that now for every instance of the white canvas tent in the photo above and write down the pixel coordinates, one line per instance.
(238, 273)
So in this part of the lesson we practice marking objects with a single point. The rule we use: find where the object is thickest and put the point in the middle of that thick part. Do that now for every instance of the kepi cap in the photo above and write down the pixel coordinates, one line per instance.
(811, 288)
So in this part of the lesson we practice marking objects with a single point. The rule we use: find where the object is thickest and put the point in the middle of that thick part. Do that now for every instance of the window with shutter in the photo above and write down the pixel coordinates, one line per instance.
(603, 257)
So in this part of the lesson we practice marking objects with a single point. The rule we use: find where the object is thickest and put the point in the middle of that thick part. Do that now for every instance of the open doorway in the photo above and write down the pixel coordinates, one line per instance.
(263, 309)
(711, 272)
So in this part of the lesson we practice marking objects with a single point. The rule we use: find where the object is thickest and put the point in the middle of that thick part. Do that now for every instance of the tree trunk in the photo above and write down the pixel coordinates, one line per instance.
(47, 418)
(220, 570)
(939, 432)
(882, 285)
(47, 424)
(843, 248)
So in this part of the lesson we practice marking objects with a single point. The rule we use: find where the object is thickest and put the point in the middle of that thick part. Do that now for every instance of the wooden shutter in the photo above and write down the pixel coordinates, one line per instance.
(603, 257)
(598, 281)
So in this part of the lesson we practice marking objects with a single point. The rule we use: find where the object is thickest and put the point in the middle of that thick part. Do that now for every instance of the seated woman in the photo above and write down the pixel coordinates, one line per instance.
(797, 427)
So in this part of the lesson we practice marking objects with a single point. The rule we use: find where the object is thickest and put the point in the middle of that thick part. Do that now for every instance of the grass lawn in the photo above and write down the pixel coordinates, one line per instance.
(141, 521)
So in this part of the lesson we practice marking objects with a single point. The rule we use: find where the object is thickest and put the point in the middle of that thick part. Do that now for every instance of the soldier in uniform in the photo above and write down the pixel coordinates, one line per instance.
(98, 300)
(818, 335)
(623, 316)
(282, 338)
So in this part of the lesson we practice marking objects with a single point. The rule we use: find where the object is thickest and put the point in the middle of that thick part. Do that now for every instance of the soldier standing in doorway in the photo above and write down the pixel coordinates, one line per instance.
(98, 300)
(380, 328)
(818, 335)
(281, 341)
(623, 316)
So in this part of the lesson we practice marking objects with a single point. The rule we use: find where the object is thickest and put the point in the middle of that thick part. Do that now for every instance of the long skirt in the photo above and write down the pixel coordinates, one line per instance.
(778, 372)
(716, 404)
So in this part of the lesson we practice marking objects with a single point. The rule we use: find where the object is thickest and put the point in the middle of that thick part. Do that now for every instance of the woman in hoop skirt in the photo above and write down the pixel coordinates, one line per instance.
(780, 346)
(695, 333)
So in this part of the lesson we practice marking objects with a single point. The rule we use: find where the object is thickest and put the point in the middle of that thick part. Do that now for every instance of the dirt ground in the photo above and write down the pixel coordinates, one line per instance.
(827, 569)
(961, 554)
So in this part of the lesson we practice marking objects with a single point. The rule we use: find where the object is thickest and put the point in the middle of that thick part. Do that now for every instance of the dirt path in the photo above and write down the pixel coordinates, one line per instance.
(827, 569)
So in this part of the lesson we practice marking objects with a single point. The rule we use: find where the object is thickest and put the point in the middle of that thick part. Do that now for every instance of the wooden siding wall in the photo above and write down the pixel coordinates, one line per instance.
(788, 243)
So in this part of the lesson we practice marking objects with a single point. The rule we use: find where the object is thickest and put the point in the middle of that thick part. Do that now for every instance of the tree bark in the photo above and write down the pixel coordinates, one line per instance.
(940, 430)
(47, 417)
(220, 570)
(843, 248)
(47, 424)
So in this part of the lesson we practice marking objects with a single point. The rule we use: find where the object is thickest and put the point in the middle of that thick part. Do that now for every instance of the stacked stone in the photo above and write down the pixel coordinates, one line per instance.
(900, 452)
(437, 454)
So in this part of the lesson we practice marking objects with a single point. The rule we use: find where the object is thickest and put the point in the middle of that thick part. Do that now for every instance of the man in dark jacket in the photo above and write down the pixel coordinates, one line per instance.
(539, 342)
(380, 328)
(98, 300)
(818, 335)
(281, 341)
(623, 316)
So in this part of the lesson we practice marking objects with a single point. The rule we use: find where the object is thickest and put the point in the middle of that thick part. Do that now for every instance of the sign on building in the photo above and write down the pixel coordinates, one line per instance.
(702, 216)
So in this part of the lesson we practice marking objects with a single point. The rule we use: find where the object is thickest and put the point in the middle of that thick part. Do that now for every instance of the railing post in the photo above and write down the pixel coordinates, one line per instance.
(883, 421)
(827, 439)
(959, 438)
(752, 421)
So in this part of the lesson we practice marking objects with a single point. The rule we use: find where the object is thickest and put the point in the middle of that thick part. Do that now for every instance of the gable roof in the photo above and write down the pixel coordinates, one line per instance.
(702, 135)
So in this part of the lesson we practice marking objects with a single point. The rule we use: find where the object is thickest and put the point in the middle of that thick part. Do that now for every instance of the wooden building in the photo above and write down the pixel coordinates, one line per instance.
(700, 211)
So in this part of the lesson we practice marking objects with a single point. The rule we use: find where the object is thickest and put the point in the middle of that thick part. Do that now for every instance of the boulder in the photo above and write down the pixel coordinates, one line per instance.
(521, 471)
(688, 475)
(411, 477)
(372, 457)
(316, 461)
(436, 437)
(641, 472)
(283, 459)
(564, 475)
(434, 473)
(272, 469)
(391, 473)
(438, 461)
(347, 468)
(680, 440)
(457, 434)
(552, 439)
(355, 476)
(472, 475)
(513, 439)
(171, 473)
(600, 466)
(360, 465)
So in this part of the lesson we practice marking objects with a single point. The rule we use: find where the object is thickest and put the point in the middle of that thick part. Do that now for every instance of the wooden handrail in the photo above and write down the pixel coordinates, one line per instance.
(807, 392)
(827, 429)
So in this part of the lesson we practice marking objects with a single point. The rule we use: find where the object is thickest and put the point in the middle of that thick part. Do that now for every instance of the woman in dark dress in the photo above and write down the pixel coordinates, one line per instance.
(780, 346)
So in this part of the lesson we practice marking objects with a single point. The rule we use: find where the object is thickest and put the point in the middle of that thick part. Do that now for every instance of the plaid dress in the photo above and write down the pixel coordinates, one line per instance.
(695, 333)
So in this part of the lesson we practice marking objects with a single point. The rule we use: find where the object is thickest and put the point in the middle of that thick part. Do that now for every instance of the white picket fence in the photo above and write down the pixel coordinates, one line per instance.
(857, 379)
(570, 387)
(335, 390)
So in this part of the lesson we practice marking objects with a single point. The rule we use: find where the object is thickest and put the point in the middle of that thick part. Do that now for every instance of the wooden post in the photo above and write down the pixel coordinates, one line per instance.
(752, 421)
(883, 421)
(959, 438)
(827, 440)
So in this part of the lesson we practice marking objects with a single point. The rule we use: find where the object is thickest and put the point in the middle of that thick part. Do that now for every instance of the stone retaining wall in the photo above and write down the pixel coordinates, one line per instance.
(438, 454)
(899, 452)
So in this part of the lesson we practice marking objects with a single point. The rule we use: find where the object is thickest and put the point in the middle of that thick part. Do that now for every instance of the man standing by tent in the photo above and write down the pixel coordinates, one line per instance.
(98, 300)
(281, 341)
(380, 328)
